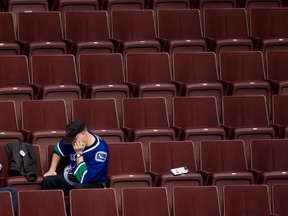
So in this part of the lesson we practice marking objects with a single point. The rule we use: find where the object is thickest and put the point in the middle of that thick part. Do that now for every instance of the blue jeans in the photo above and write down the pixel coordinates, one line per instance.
(13, 192)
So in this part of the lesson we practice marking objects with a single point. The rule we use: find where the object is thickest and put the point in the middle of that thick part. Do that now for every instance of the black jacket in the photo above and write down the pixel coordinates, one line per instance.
(22, 160)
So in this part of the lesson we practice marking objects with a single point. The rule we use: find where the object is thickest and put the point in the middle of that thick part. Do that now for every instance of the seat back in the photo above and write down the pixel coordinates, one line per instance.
(86, 26)
(40, 26)
(192, 112)
(198, 67)
(42, 202)
(179, 24)
(7, 23)
(173, 154)
(105, 124)
(96, 113)
(126, 158)
(279, 107)
(279, 195)
(146, 201)
(269, 22)
(134, 25)
(224, 23)
(276, 67)
(245, 111)
(52, 112)
(269, 155)
(6, 206)
(223, 156)
(8, 120)
(247, 200)
(53, 70)
(15, 75)
(241, 66)
(101, 69)
(86, 201)
(183, 197)
(148, 68)
(140, 113)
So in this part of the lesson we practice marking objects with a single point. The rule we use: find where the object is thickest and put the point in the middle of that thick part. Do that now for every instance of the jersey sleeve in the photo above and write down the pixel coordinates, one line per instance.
(63, 149)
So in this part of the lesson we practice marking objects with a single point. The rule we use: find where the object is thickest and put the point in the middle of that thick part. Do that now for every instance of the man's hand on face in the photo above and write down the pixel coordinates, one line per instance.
(79, 146)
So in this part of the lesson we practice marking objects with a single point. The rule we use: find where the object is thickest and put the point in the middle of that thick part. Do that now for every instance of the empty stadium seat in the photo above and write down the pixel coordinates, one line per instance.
(41, 33)
(100, 116)
(206, 198)
(102, 76)
(246, 118)
(276, 69)
(15, 81)
(279, 116)
(145, 201)
(180, 30)
(41, 202)
(279, 195)
(44, 123)
(223, 163)
(9, 128)
(55, 77)
(196, 118)
(88, 201)
(163, 156)
(150, 75)
(243, 73)
(87, 32)
(134, 31)
(268, 34)
(127, 168)
(249, 200)
(9, 45)
(196, 74)
(142, 123)
(269, 161)
(227, 29)
(6, 203)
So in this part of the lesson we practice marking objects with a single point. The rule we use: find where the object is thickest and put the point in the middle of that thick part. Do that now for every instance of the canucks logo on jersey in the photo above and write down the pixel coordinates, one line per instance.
(101, 156)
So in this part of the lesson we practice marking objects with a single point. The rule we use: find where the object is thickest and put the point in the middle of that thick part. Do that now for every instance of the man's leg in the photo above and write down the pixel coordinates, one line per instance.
(55, 182)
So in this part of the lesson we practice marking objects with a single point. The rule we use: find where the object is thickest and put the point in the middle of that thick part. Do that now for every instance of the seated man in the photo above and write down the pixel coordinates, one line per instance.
(88, 165)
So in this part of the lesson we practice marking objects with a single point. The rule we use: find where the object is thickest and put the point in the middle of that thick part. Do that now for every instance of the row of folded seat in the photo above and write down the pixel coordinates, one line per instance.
(171, 31)
(63, 6)
(146, 119)
(193, 118)
(222, 163)
(201, 201)
(143, 75)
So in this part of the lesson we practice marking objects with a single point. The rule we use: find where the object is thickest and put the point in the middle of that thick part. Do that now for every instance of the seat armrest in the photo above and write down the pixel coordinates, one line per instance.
(257, 175)
(155, 177)
(27, 135)
(127, 132)
(206, 176)
(84, 89)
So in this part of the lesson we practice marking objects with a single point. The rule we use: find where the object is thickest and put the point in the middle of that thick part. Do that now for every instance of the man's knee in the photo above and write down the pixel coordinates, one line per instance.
(46, 182)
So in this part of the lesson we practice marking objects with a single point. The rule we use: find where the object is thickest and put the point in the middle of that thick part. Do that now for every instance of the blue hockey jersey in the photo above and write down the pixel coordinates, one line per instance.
(94, 168)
